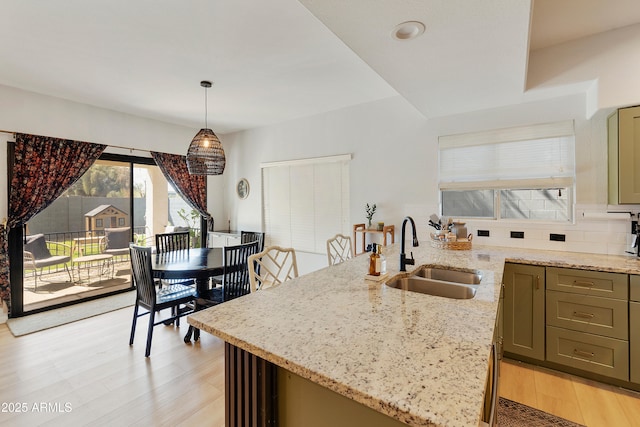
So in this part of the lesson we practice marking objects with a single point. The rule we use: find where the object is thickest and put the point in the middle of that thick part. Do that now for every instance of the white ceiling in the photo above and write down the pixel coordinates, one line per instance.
(559, 21)
(278, 60)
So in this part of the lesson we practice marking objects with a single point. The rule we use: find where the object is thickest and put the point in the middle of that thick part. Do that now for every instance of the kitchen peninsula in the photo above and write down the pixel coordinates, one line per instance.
(418, 359)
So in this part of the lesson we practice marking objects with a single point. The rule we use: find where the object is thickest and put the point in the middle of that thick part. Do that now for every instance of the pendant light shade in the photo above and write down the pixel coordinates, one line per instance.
(205, 155)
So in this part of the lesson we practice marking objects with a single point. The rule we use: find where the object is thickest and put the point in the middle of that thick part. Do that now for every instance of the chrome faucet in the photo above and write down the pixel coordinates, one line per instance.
(403, 258)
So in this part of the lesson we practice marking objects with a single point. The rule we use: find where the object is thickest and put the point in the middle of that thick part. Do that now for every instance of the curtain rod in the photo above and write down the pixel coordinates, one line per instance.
(129, 148)
(112, 146)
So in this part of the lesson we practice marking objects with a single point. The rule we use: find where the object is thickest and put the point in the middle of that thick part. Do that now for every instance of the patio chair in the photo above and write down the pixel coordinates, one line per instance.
(116, 241)
(37, 254)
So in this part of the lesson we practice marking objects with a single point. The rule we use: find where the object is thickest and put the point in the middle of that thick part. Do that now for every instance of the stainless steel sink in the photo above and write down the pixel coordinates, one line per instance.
(433, 287)
(442, 282)
(468, 277)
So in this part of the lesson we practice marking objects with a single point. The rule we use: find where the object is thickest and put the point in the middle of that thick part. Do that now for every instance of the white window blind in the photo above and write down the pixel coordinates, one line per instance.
(305, 202)
(522, 157)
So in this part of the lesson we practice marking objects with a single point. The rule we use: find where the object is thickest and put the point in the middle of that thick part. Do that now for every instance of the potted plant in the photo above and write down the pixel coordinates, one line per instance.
(370, 210)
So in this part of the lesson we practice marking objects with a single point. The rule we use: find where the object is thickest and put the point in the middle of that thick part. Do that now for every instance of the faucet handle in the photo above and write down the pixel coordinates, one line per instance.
(410, 260)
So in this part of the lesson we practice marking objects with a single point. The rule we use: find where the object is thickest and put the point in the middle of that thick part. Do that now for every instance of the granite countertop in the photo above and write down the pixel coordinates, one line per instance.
(420, 359)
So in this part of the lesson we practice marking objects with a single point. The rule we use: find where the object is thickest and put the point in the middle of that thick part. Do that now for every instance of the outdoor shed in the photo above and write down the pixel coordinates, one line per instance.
(105, 216)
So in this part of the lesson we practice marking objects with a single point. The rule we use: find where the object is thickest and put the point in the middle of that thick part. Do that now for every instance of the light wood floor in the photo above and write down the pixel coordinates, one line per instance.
(576, 399)
(89, 366)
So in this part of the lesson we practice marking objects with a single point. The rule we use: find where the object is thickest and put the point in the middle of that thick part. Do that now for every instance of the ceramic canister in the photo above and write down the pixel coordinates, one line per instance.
(459, 229)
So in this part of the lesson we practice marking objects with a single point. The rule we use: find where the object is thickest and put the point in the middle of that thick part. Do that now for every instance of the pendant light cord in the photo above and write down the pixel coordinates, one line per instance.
(205, 108)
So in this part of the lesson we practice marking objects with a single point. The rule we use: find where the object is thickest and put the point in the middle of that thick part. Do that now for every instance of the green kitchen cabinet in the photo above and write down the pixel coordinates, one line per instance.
(624, 156)
(634, 328)
(524, 310)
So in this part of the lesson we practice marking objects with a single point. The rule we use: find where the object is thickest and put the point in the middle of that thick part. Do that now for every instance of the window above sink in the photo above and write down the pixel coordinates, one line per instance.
(524, 173)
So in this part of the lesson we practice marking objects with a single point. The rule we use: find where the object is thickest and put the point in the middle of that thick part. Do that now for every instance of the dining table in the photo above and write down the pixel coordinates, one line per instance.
(199, 264)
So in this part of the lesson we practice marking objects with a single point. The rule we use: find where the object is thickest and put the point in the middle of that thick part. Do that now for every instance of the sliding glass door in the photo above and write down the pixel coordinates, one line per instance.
(77, 248)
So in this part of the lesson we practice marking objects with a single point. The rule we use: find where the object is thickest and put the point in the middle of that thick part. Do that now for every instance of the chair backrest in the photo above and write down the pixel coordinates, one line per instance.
(272, 267)
(338, 249)
(166, 242)
(37, 245)
(142, 273)
(117, 238)
(235, 279)
(252, 236)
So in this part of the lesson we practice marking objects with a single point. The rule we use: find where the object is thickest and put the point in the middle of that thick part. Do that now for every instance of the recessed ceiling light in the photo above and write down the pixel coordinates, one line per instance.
(408, 30)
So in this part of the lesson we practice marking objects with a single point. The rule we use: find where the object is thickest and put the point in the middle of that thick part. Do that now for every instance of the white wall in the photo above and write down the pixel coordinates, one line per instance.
(394, 159)
(27, 112)
(609, 58)
(395, 166)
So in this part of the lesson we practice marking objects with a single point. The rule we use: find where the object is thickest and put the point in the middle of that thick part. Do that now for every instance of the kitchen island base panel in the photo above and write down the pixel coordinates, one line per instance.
(260, 394)
(304, 403)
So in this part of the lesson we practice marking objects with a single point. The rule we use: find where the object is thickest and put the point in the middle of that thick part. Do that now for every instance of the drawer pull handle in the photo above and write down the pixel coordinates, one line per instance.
(583, 315)
(583, 353)
(583, 284)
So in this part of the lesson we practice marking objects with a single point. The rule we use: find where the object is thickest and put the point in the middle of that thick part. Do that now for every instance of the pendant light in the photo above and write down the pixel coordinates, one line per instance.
(205, 155)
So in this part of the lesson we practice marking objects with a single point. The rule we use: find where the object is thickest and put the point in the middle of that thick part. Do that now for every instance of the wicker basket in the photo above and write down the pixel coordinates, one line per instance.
(455, 246)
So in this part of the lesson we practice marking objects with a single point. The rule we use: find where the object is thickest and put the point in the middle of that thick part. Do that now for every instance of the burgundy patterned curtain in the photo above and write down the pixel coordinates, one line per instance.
(5, 291)
(192, 188)
(44, 168)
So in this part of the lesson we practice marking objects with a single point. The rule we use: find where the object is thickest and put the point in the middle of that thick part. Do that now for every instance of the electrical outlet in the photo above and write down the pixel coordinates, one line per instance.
(634, 227)
(517, 234)
(483, 233)
(557, 237)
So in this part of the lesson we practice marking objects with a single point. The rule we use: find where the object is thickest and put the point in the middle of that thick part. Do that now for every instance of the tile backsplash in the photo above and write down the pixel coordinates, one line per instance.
(601, 233)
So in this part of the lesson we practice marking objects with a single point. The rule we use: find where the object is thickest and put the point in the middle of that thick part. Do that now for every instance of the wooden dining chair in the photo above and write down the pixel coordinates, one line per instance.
(251, 236)
(338, 249)
(169, 242)
(235, 273)
(153, 300)
(166, 242)
(245, 237)
(272, 267)
(235, 280)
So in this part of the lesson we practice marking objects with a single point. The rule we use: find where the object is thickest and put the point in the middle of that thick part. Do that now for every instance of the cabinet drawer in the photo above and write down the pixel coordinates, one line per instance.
(220, 240)
(586, 313)
(593, 353)
(598, 283)
(233, 241)
(634, 341)
(634, 287)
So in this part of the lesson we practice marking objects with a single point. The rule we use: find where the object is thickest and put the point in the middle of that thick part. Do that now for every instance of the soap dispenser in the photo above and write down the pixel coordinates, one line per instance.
(383, 261)
(374, 260)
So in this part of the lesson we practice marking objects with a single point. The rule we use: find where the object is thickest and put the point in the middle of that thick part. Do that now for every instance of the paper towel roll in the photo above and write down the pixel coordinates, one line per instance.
(607, 215)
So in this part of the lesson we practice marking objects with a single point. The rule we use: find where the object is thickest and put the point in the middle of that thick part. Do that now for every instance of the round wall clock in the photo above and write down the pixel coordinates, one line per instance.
(243, 188)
